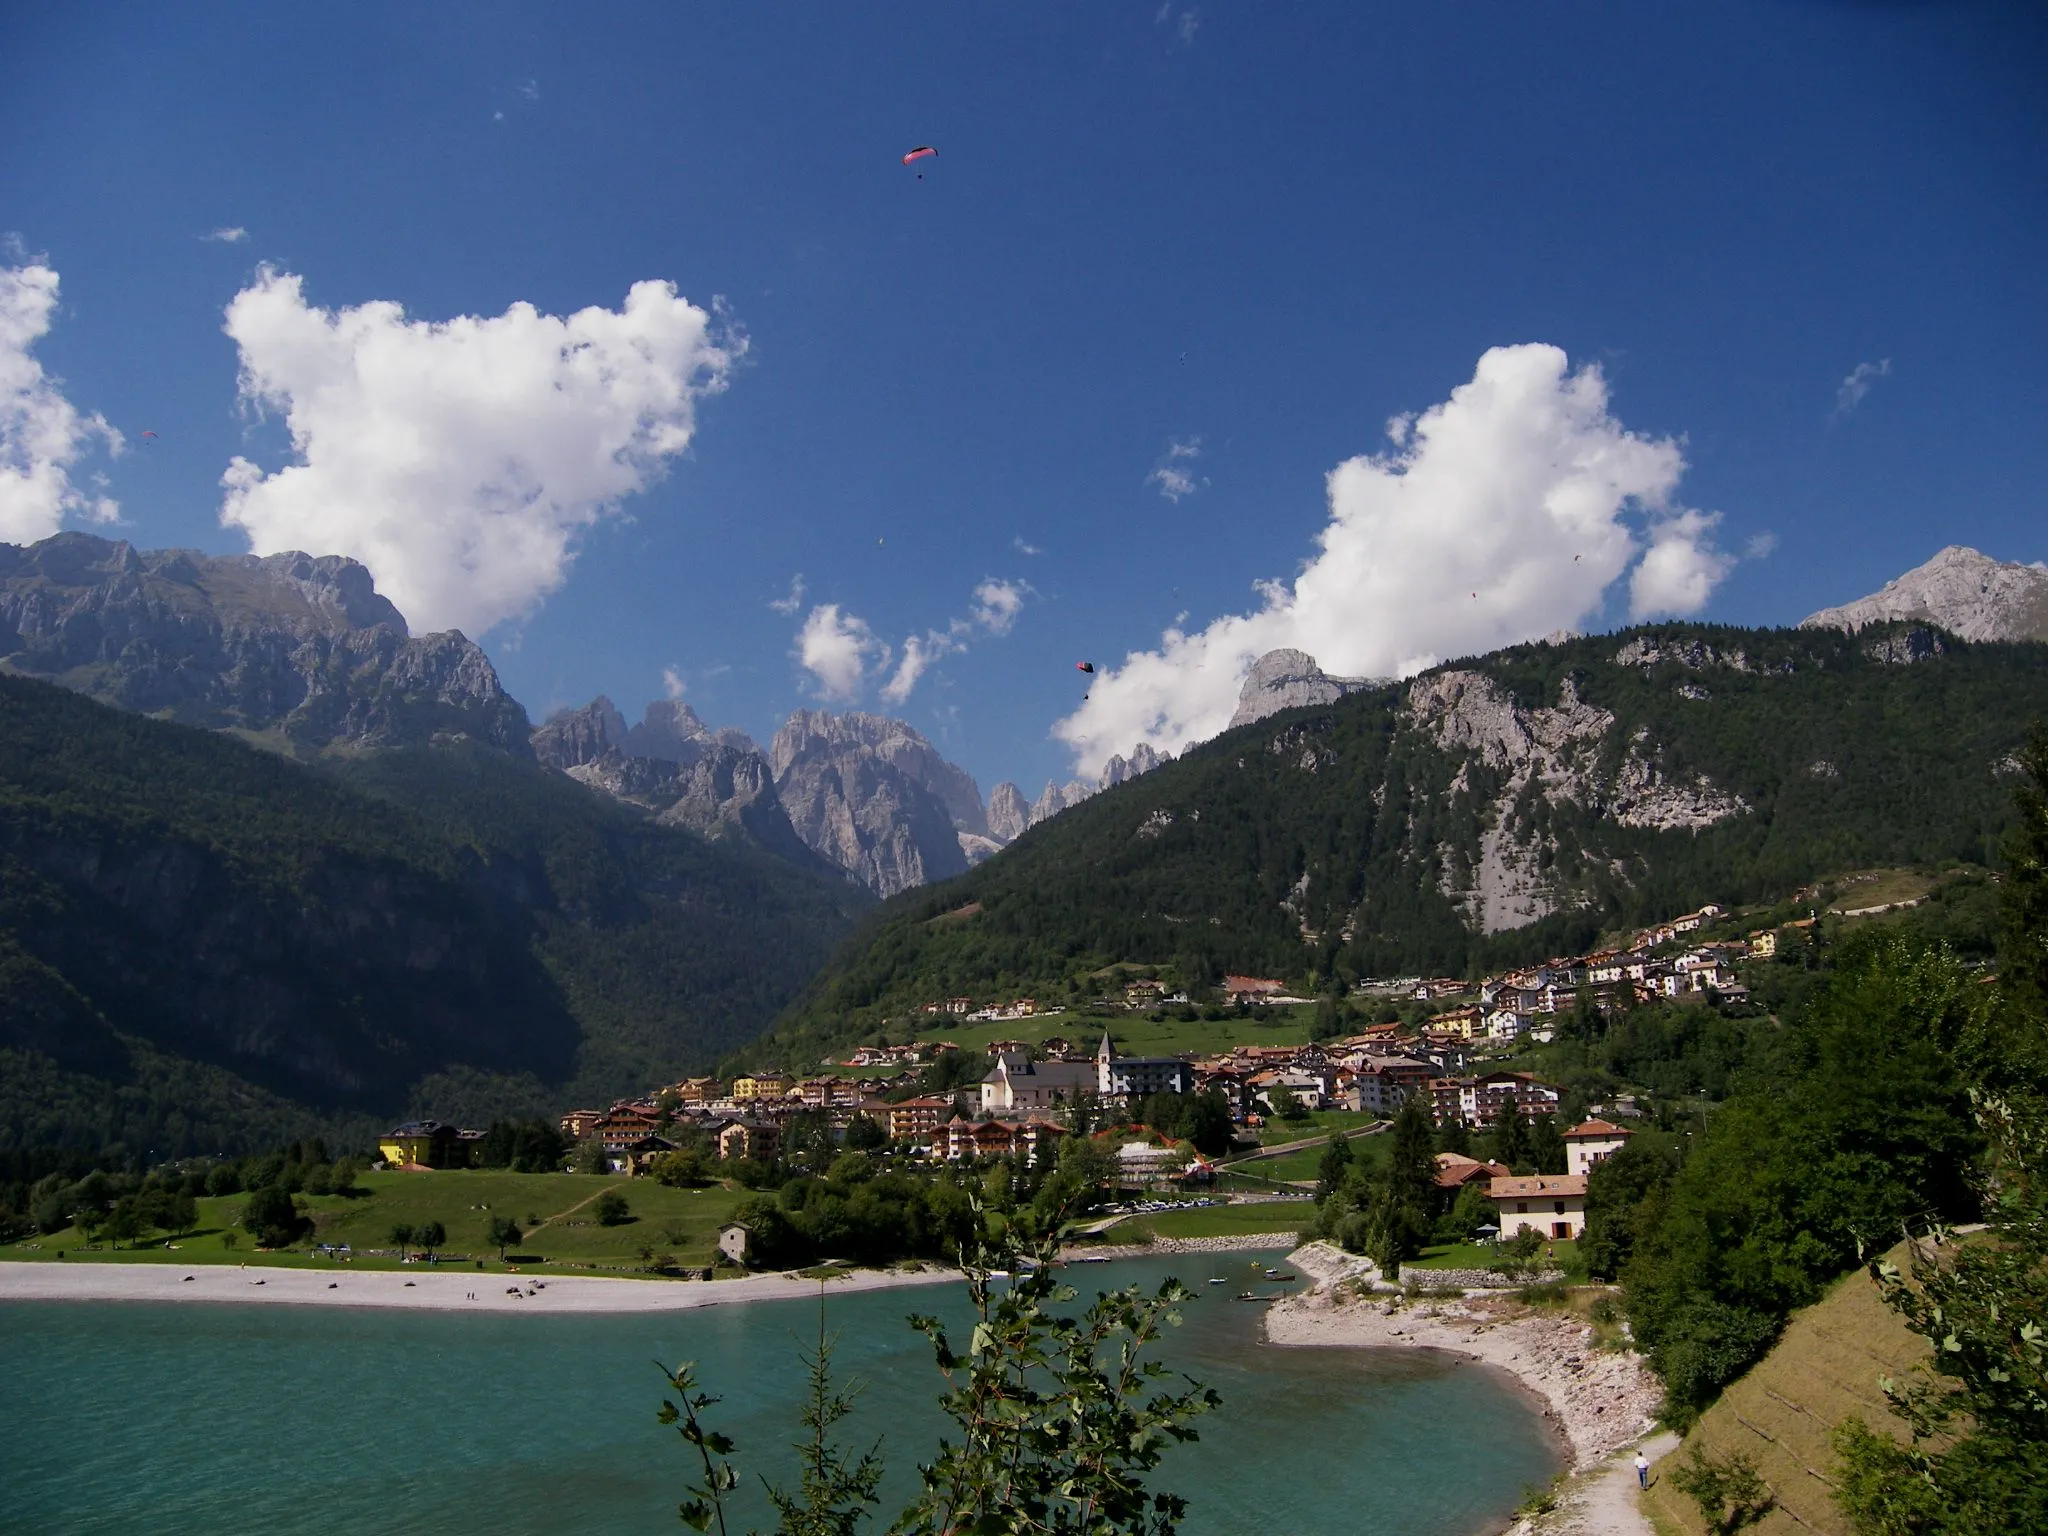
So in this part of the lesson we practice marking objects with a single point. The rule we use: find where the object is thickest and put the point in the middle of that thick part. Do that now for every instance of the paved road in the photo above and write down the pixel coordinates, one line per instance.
(1281, 1149)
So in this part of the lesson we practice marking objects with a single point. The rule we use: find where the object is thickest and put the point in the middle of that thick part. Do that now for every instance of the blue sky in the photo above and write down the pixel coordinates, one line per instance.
(1221, 242)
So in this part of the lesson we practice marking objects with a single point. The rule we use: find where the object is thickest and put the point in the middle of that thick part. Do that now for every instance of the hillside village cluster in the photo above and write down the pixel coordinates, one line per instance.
(1026, 1102)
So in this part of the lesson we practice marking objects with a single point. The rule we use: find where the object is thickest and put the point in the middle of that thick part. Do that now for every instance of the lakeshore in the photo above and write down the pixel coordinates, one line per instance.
(1599, 1401)
(447, 1289)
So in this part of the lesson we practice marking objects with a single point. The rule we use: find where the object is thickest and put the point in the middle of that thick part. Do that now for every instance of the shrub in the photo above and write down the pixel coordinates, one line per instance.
(612, 1209)
(1729, 1490)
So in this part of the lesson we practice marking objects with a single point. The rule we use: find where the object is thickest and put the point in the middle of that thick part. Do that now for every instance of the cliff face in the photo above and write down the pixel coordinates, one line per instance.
(872, 796)
(1967, 593)
(671, 765)
(288, 644)
(1288, 679)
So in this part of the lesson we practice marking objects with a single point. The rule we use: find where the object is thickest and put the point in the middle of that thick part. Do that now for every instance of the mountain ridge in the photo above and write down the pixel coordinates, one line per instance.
(1486, 813)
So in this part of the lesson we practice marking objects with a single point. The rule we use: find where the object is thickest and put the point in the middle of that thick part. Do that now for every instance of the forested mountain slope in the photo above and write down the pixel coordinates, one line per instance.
(201, 943)
(1485, 813)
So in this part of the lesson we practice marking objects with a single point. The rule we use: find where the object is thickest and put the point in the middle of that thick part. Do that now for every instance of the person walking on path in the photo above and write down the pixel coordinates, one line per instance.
(1642, 1470)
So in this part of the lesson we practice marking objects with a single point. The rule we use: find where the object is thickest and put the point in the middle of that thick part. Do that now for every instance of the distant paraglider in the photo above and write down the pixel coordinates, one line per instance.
(147, 436)
(922, 152)
(1084, 666)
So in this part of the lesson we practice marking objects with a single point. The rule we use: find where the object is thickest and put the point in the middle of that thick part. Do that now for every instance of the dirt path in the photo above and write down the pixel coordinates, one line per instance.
(1603, 1502)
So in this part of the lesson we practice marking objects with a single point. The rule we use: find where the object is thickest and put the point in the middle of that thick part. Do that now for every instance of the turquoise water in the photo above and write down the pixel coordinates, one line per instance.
(173, 1419)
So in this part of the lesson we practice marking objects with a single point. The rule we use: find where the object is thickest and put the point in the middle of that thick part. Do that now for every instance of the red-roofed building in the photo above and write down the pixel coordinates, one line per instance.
(1593, 1142)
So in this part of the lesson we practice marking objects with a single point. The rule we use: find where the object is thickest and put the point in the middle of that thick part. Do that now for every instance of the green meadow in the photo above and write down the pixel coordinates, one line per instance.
(555, 1213)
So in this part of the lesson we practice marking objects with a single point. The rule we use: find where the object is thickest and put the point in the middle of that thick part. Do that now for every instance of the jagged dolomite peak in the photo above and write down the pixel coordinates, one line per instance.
(1965, 592)
(872, 796)
(1288, 679)
(1009, 813)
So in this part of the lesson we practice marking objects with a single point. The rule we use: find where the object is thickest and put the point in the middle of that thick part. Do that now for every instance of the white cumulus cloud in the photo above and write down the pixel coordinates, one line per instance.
(842, 652)
(42, 434)
(1503, 513)
(839, 651)
(460, 460)
(1861, 380)
(673, 683)
(1681, 568)
(997, 604)
(232, 234)
(1174, 474)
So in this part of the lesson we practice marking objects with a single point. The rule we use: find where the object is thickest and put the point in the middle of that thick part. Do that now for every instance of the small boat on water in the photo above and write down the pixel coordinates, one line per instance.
(1217, 1280)
(1279, 1274)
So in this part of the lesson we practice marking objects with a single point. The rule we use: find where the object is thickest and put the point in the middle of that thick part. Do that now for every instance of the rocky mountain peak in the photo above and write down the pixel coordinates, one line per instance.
(1288, 679)
(297, 644)
(1009, 813)
(1965, 592)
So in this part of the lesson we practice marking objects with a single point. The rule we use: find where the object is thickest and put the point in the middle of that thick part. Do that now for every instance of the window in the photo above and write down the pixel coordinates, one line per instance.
(1522, 1207)
(1558, 1206)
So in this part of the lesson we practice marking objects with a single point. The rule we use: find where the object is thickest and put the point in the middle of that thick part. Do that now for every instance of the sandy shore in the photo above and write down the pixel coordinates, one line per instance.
(1599, 1400)
(425, 1289)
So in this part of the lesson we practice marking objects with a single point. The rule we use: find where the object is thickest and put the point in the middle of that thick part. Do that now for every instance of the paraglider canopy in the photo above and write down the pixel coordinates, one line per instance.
(919, 153)
(1084, 666)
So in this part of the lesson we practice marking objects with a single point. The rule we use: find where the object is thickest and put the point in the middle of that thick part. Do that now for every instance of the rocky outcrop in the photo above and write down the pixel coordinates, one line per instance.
(1055, 798)
(578, 736)
(1555, 752)
(872, 796)
(1009, 813)
(1966, 593)
(292, 645)
(1288, 679)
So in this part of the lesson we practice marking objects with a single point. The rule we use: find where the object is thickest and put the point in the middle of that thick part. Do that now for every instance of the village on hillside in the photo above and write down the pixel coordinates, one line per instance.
(1035, 1092)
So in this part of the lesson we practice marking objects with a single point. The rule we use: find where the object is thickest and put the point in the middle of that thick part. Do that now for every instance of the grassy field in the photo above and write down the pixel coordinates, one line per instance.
(1218, 1221)
(1319, 1124)
(553, 1209)
(1824, 1369)
(1476, 1256)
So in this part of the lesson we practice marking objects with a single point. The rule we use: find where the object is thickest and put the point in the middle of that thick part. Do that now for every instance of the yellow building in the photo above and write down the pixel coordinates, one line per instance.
(762, 1085)
(424, 1144)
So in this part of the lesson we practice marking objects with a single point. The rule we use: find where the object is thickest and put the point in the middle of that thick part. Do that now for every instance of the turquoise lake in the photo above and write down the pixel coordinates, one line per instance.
(196, 1418)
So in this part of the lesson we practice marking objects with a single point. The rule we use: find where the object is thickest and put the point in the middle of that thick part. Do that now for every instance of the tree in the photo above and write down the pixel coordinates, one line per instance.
(430, 1236)
(612, 1209)
(1977, 1463)
(1546, 1145)
(271, 1218)
(1209, 1126)
(1285, 1105)
(1058, 1418)
(864, 1134)
(834, 1493)
(401, 1236)
(344, 1177)
(502, 1232)
(1452, 1136)
(592, 1157)
(1335, 1164)
(125, 1222)
(1402, 1208)
(1511, 1135)
(1729, 1491)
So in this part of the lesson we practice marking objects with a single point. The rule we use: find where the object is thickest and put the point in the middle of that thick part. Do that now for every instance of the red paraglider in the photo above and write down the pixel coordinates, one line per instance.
(149, 434)
(1084, 666)
(923, 151)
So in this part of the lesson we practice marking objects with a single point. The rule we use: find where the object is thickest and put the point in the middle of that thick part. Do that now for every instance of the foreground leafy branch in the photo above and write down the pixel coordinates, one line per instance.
(1057, 1417)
